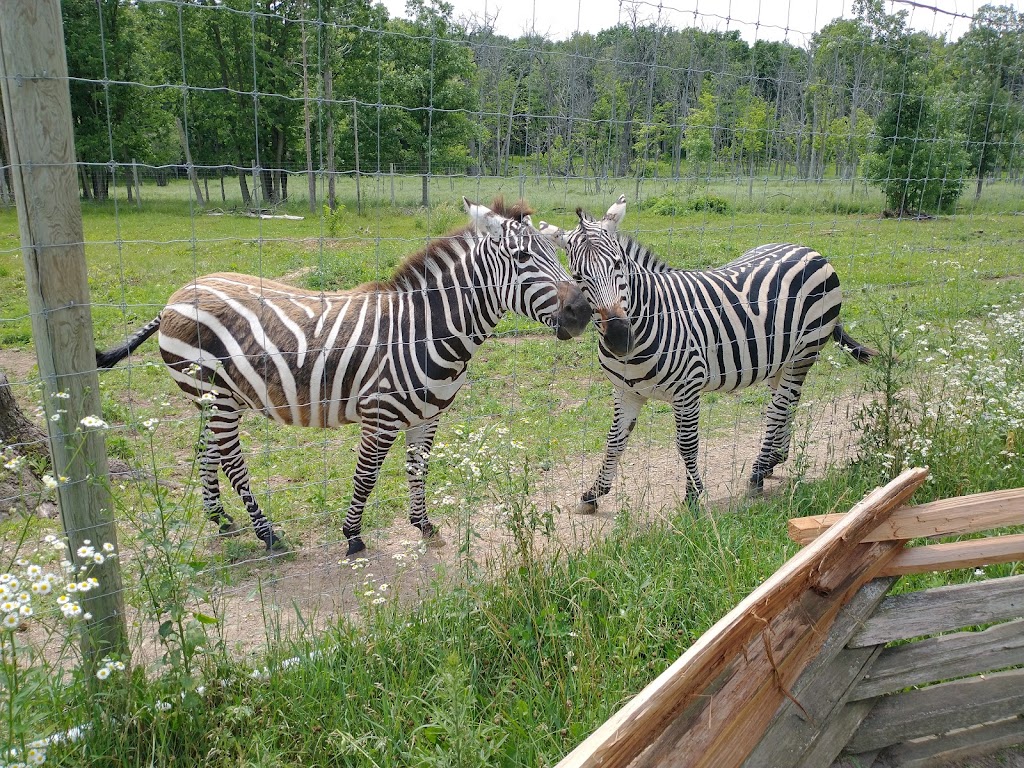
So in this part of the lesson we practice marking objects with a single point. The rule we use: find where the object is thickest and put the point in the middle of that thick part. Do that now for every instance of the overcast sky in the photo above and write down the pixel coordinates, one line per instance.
(793, 20)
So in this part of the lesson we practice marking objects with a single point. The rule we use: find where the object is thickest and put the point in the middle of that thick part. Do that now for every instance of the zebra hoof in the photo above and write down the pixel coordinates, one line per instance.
(755, 487)
(355, 545)
(274, 542)
(586, 507)
(432, 536)
(227, 527)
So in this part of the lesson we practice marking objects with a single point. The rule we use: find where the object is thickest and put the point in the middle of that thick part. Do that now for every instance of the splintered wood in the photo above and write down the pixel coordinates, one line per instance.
(800, 674)
(765, 631)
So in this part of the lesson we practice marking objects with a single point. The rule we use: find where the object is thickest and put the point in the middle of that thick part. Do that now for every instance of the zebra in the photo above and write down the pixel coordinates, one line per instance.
(671, 334)
(390, 355)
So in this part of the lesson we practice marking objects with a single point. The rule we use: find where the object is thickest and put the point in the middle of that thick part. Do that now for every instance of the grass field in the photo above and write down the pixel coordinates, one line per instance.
(513, 661)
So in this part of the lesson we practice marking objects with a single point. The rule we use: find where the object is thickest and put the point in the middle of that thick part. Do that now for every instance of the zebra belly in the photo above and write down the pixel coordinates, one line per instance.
(652, 382)
(382, 403)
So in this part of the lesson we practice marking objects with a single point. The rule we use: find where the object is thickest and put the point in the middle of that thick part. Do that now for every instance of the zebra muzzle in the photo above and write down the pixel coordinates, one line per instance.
(618, 336)
(575, 312)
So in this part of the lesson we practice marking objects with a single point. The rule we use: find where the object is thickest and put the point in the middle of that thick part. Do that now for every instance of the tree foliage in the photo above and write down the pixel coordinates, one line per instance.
(429, 94)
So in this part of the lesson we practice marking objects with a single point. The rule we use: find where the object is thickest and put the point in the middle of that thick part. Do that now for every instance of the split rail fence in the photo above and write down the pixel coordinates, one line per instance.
(813, 668)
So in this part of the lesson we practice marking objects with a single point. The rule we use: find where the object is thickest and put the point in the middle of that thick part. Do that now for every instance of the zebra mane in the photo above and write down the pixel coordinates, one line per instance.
(640, 256)
(413, 267)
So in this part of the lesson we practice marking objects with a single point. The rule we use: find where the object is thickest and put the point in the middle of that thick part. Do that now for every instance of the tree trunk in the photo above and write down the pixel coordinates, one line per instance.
(280, 185)
(15, 429)
(243, 185)
(267, 183)
(332, 201)
(188, 162)
(100, 182)
(424, 170)
(310, 176)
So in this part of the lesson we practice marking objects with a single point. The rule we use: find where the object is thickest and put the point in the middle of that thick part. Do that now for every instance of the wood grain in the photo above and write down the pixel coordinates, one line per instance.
(942, 609)
(944, 658)
(940, 708)
(823, 688)
(958, 745)
(946, 517)
(958, 554)
(34, 80)
(625, 735)
(733, 720)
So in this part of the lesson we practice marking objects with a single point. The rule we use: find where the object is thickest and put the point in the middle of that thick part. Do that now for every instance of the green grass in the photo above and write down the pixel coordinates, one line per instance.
(516, 664)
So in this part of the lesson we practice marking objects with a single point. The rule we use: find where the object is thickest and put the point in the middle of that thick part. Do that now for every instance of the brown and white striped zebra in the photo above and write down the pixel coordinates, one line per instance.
(390, 356)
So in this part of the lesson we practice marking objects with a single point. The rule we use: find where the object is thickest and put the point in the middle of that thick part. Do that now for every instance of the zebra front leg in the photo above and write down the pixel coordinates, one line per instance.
(779, 423)
(418, 442)
(686, 410)
(627, 408)
(209, 464)
(373, 447)
(223, 426)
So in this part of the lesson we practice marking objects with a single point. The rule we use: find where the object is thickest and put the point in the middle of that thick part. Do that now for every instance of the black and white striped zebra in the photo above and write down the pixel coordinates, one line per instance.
(671, 334)
(388, 355)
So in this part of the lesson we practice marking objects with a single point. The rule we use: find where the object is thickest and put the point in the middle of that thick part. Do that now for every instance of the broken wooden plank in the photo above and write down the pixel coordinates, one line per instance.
(942, 609)
(863, 760)
(956, 745)
(734, 720)
(946, 517)
(623, 736)
(944, 658)
(958, 554)
(823, 687)
(835, 734)
(940, 708)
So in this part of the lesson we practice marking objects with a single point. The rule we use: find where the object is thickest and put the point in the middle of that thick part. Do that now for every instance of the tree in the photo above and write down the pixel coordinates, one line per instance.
(116, 118)
(699, 139)
(919, 156)
(990, 67)
(428, 74)
(751, 131)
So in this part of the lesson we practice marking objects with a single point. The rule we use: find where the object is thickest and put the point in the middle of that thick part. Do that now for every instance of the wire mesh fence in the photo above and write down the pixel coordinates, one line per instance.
(319, 145)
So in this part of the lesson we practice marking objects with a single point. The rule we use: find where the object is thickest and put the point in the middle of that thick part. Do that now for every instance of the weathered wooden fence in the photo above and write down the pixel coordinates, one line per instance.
(804, 671)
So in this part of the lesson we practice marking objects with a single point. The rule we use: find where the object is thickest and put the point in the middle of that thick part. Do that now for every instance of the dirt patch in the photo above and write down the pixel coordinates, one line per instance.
(315, 585)
(19, 364)
(267, 598)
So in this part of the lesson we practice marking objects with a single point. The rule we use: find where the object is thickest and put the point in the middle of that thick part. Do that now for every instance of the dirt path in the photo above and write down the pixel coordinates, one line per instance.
(312, 587)
(314, 584)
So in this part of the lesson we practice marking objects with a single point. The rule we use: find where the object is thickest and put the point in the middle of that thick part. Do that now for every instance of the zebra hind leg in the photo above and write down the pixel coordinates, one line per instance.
(686, 410)
(223, 426)
(779, 428)
(418, 442)
(373, 447)
(627, 408)
(209, 464)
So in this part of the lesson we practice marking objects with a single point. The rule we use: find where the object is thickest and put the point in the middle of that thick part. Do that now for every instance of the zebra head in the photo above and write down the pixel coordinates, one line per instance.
(596, 263)
(524, 269)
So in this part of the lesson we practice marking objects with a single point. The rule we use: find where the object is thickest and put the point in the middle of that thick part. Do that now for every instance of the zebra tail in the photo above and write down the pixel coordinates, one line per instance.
(112, 357)
(862, 353)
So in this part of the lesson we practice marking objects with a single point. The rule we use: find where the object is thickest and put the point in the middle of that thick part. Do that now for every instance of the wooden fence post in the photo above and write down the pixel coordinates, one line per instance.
(34, 76)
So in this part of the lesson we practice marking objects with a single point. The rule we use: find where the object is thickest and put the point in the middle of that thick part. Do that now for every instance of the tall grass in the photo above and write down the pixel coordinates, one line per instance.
(514, 663)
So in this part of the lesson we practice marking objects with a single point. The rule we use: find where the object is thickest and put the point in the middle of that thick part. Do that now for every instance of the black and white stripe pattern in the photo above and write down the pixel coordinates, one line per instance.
(389, 356)
(671, 334)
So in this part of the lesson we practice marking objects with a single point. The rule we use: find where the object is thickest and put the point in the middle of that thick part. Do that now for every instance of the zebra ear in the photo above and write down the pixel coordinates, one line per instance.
(615, 214)
(555, 234)
(483, 219)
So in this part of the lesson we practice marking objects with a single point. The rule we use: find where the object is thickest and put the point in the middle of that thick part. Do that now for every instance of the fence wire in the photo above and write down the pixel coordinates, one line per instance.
(319, 144)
